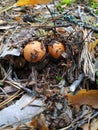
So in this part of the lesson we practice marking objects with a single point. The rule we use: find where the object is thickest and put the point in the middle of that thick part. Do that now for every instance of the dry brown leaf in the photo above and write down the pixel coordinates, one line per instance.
(84, 97)
(39, 123)
(85, 126)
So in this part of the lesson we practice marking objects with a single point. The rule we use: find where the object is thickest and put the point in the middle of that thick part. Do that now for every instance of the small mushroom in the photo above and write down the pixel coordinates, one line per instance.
(34, 51)
(56, 49)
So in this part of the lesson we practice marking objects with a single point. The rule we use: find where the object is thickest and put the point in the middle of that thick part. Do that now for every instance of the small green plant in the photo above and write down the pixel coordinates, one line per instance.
(93, 4)
(96, 12)
(96, 34)
(59, 7)
(68, 2)
(59, 78)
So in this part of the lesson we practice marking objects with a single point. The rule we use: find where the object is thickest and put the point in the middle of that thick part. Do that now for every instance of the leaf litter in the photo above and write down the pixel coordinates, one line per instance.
(67, 86)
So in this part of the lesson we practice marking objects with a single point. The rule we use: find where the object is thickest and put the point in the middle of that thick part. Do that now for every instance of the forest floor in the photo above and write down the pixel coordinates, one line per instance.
(59, 91)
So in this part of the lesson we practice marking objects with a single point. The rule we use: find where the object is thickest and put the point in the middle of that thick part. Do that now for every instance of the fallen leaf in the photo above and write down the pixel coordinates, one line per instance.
(31, 2)
(39, 123)
(84, 97)
(92, 45)
(25, 2)
(85, 126)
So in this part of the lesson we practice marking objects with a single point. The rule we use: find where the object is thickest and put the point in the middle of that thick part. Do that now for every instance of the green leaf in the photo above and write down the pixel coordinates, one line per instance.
(59, 78)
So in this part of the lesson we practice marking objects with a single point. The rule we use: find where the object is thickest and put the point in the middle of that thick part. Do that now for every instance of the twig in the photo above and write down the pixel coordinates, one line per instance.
(76, 83)
(17, 85)
(91, 12)
(52, 18)
(7, 8)
(75, 124)
(50, 27)
(9, 99)
(28, 103)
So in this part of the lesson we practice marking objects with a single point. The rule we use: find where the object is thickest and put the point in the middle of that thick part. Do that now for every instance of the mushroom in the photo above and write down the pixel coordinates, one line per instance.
(34, 51)
(56, 49)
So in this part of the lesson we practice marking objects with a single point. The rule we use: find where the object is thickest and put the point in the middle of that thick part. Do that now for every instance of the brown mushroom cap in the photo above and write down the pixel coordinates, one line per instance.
(56, 49)
(34, 51)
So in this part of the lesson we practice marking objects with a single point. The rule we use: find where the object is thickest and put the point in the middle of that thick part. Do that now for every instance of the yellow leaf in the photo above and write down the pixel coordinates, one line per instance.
(25, 2)
(31, 2)
(92, 45)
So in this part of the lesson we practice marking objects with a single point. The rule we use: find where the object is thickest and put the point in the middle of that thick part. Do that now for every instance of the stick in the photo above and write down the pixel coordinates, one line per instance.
(7, 8)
